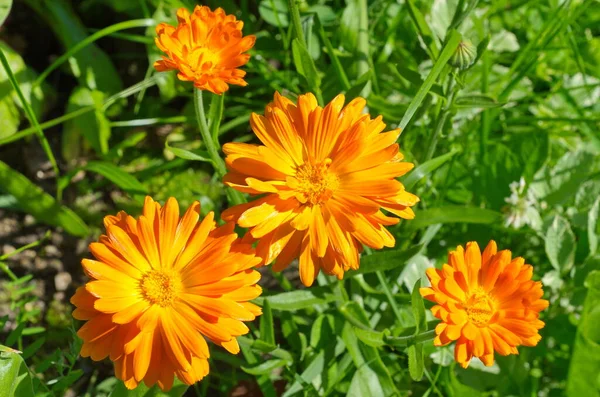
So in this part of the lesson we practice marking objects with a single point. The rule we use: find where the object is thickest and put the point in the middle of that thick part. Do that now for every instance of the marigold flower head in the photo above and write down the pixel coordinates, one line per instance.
(487, 302)
(324, 174)
(160, 284)
(207, 47)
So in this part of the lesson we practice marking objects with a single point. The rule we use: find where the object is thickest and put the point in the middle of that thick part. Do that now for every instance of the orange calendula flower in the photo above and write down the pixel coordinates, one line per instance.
(487, 302)
(324, 174)
(207, 47)
(160, 284)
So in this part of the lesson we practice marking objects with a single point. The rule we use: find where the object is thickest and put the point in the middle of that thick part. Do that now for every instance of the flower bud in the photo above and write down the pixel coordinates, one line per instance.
(464, 55)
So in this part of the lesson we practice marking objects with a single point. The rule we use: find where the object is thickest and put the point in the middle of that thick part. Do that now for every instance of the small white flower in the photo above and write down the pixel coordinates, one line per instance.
(521, 208)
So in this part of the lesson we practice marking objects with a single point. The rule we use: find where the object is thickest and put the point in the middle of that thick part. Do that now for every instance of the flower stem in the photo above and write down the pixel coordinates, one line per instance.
(441, 120)
(296, 21)
(234, 197)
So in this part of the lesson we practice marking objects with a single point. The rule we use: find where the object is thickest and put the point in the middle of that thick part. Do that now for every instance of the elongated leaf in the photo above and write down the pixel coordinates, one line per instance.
(93, 126)
(199, 155)
(265, 367)
(415, 361)
(477, 101)
(427, 168)
(594, 226)
(38, 203)
(15, 380)
(305, 65)
(300, 299)
(418, 309)
(5, 6)
(454, 214)
(370, 337)
(384, 260)
(91, 66)
(267, 331)
(116, 175)
(451, 45)
(311, 372)
(560, 244)
(585, 361)
(372, 374)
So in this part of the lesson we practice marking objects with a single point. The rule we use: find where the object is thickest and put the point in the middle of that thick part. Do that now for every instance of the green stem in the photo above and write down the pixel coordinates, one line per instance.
(296, 23)
(8, 272)
(388, 293)
(441, 121)
(30, 114)
(26, 247)
(334, 59)
(136, 23)
(211, 147)
(403, 341)
(59, 120)
(233, 196)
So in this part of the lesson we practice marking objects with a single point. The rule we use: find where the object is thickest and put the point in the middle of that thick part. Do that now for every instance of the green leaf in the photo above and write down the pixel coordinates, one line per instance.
(372, 375)
(31, 349)
(477, 101)
(370, 337)
(91, 66)
(454, 214)
(38, 203)
(198, 155)
(312, 371)
(384, 260)
(560, 245)
(415, 361)
(418, 309)
(274, 12)
(451, 45)
(424, 30)
(557, 185)
(93, 126)
(359, 85)
(267, 331)
(299, 299)
(10, 102)
(15, 380)
(305, 65)
(593, 226)
(5, 6)
(116, 175)
(585, 359)
(265, 367)
(427, 168)
(178, 390)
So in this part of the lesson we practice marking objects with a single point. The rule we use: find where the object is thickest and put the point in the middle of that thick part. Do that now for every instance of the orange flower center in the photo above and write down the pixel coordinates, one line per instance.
(160, 288)
(202, 60)
(315, 183)
(480, 308)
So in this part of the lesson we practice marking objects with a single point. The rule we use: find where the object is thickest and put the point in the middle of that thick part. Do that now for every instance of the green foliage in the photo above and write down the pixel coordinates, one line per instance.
(585, 362)
(505, 148)
(15, 379)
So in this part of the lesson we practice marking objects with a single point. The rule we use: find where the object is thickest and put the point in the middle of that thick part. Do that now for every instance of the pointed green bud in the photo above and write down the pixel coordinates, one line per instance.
(464, 55)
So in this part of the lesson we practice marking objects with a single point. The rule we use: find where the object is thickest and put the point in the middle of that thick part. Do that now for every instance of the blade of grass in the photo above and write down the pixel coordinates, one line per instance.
(30, 114)
(136, 23)
(452, 43)
(339, 70)
(59, 120)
